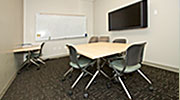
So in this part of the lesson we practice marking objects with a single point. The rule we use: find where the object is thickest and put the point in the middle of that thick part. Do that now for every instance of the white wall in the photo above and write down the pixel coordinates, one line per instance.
(162, 35)
(11, 31)
(56, 48)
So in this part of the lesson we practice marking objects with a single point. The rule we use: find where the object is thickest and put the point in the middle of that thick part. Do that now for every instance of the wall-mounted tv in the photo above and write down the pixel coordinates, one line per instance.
(129, 17)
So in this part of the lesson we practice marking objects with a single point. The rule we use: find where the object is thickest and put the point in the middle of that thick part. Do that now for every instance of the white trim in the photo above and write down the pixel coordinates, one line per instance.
(7, 85)
(24, 19)
(139, 42)
(60, 14)
(71, 45)
(160, 66)
(149, 63)
(54, 56)
(122, 6)
(149, 13)
(88, 0)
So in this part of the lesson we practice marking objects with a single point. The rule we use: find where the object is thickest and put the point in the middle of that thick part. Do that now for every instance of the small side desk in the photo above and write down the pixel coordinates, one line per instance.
(29, 50)
(98, 51)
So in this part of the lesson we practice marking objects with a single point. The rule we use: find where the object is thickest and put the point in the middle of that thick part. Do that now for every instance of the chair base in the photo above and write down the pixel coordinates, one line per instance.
(151, 88)
(77, 80)
(86, 95)
(124, 87)
(126, 90)
(70, 93)
(63, 79)
(108, 85)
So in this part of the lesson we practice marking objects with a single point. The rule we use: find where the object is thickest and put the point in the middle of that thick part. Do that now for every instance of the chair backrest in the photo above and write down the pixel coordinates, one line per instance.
(73, 54)
(40, 51)
(120, 40)
(104, 39)
(93, 39)
(134, 54)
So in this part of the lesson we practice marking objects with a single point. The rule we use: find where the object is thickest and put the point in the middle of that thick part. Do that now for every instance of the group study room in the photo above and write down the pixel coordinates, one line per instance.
(89, 49)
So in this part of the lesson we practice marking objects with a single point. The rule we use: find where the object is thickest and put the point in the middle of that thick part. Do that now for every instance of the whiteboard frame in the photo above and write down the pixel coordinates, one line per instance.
(59, 38)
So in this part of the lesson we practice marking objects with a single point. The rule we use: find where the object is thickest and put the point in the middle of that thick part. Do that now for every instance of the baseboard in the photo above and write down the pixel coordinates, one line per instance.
(7, 85)
(165, 67)
(54, 56)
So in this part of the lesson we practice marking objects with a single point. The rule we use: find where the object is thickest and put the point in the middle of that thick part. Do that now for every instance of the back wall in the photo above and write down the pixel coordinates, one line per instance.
(162, 34)
(56, 48)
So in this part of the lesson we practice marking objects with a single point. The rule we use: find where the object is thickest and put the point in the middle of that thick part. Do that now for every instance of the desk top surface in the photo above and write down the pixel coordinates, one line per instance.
(100, 49)
(27, 48)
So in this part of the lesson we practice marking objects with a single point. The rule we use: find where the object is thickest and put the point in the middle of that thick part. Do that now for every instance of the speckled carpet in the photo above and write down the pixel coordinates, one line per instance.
(46, 84)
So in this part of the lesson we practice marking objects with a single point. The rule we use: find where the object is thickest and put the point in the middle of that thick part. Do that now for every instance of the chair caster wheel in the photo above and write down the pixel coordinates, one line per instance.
(38, 69)
(124, 78)
(63, 79)
(18, 72)
(108, 85)
(95, 82)
(70, 76)
(151, 88)
(70, 93)
(86, 95)
(114, 81)
(27, 69)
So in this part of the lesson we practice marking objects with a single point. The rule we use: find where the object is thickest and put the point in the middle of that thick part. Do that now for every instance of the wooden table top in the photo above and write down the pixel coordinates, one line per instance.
(27, 48)
(100, 49)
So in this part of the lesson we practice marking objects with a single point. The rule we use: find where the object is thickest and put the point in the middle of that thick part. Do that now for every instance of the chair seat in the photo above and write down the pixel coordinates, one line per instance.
(118, 64)
(82, 62)
(35, 55)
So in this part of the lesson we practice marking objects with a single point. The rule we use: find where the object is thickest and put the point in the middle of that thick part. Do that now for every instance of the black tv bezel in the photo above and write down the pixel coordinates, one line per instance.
(144, 17)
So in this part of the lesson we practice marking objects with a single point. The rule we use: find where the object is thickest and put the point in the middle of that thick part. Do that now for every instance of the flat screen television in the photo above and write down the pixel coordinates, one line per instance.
(129, 17)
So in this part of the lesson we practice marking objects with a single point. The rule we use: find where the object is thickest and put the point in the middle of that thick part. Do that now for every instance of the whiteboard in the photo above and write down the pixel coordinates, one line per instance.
(50, 27)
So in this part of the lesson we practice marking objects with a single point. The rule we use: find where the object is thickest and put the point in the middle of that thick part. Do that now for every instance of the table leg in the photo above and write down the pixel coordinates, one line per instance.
(97, 72)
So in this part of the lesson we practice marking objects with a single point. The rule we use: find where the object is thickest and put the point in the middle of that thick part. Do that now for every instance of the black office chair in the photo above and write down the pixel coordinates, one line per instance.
(120, 40)
(104, 39)
(131, 63)
(93, 39)
(36, 56)
(77, 62)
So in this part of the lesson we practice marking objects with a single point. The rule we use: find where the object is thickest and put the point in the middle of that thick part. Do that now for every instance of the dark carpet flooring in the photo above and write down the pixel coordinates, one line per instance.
(45, 84)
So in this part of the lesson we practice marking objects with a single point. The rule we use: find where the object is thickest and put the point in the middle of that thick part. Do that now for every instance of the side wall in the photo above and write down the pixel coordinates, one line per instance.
(56, 48)
(11, 24)
(162, 34)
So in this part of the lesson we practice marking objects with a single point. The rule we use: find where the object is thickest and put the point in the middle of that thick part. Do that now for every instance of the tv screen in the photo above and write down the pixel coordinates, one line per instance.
(129, 17)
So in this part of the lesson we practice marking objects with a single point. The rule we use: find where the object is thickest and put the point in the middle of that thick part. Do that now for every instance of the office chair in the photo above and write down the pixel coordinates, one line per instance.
(104, 39)
(93, 39)
(120, 40)
(119, 55)
(131, 63)
(77, 62)
(36, 56)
